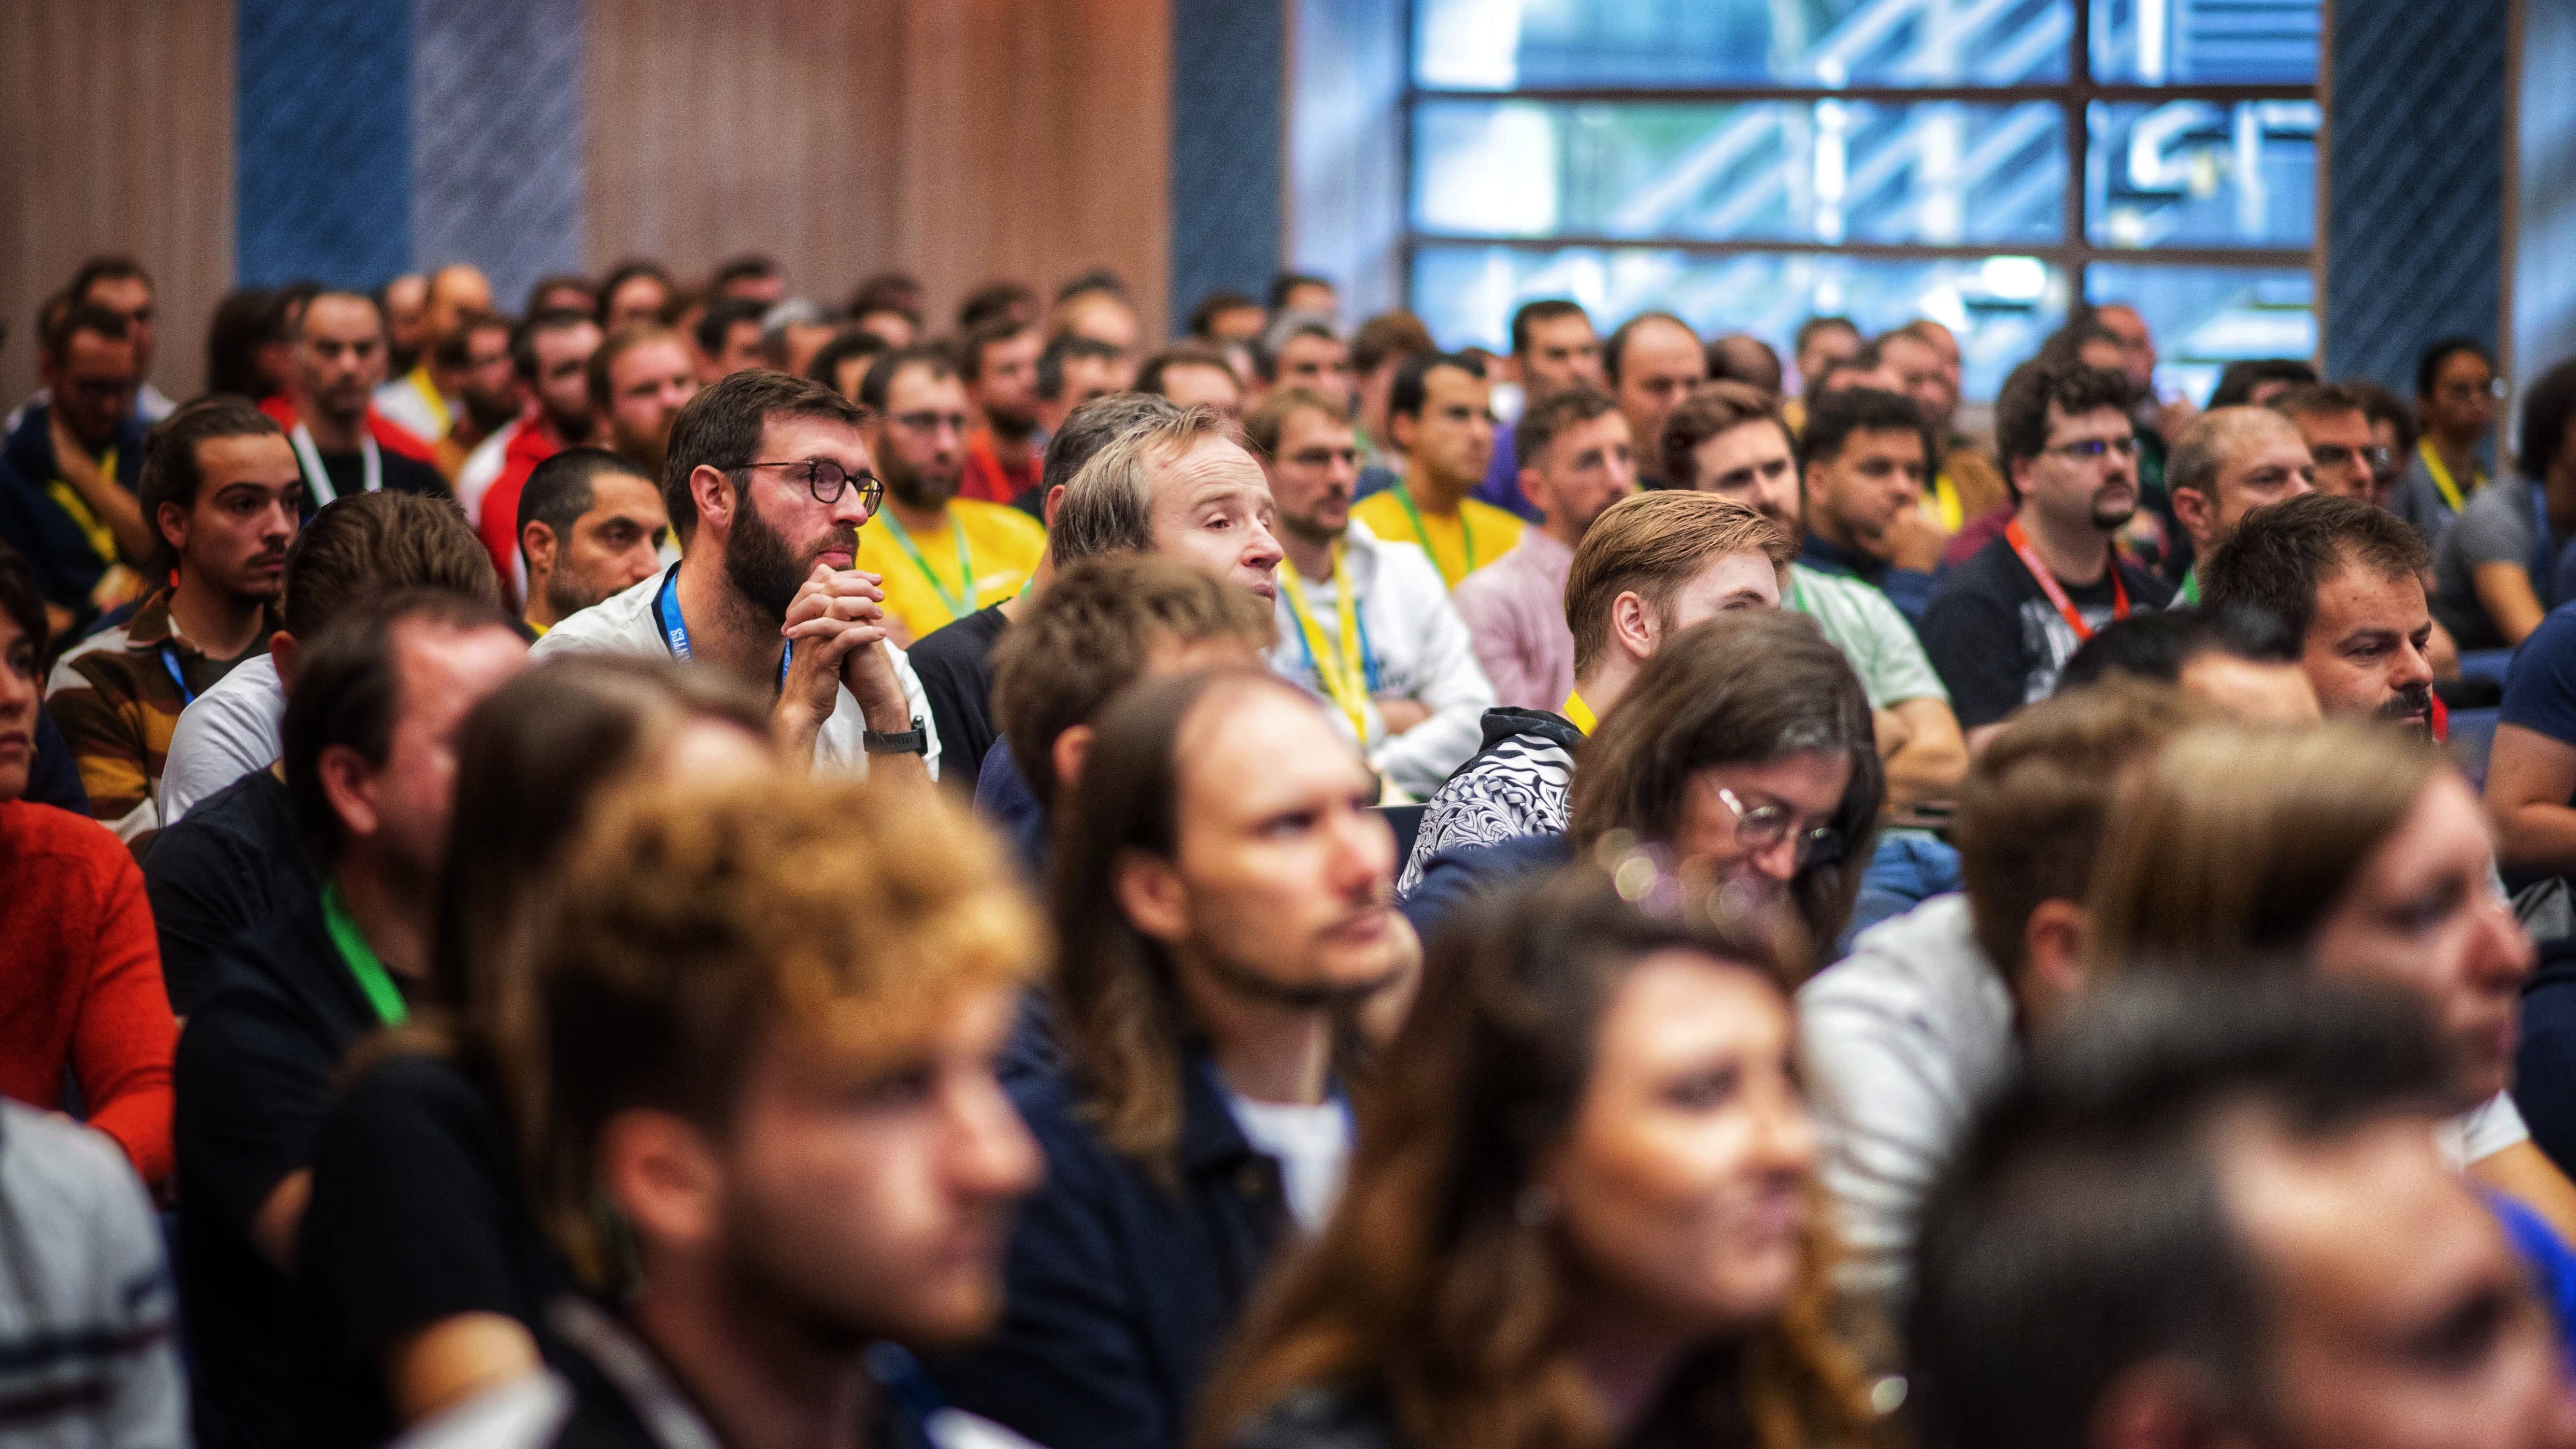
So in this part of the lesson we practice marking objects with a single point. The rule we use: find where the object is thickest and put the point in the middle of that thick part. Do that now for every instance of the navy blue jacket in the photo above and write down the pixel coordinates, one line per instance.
(1121, 1294)
(2544, 1068)
(65, 564)
(1454, 877)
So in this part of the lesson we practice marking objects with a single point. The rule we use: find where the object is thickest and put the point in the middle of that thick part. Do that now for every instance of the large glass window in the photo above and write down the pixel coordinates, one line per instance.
(1751, 163)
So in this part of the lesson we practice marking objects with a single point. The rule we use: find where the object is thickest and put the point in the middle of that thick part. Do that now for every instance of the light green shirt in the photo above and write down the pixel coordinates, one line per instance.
(1872, 635)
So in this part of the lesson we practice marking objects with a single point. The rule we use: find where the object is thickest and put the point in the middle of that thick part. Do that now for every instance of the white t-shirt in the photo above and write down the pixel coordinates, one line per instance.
(625, 624)
(1312, 1146)
(233, 729)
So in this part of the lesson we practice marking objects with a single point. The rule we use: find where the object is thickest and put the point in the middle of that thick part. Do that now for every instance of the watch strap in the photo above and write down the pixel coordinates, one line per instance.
(914, 741)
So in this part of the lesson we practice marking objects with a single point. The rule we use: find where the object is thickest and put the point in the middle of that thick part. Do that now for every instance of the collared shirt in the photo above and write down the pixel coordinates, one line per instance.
(923, 585)
(1458, 544)
(117, 697)
(1874, 638)
(1515, 613)
(1417, 648)
(624, 624)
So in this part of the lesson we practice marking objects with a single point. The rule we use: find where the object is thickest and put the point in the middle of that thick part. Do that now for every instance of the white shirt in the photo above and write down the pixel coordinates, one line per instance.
(233, 729)
(1312, 1146)
(1420, 646)
(400, 403)
(624, 624)
(481, 469)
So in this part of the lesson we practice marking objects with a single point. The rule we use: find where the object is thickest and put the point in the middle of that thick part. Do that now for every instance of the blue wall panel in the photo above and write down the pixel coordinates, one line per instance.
(1229, 75)
(497, 139)
(323, 180)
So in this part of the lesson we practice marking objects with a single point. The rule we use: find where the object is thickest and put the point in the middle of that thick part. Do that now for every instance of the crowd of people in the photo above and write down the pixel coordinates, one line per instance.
(690, 867)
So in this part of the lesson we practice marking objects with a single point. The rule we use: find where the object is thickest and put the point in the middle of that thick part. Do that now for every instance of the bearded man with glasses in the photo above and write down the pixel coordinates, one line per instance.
(770, 480)
(2002, 624)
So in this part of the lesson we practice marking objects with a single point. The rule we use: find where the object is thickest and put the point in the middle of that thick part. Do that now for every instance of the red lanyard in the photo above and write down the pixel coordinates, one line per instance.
(2056, 592)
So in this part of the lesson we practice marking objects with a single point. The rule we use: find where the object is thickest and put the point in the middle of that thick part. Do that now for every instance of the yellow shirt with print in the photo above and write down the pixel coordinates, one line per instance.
(1003, 544)
(1465, 541)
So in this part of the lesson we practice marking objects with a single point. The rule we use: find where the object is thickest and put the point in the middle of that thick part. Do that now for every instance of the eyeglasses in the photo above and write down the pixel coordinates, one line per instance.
(2336, 455)
(926, 422)
(2091, 450)
(1763, 827)
(826, 480)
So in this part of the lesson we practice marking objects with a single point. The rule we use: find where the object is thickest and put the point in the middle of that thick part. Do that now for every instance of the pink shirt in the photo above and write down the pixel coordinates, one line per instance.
(1515, 613)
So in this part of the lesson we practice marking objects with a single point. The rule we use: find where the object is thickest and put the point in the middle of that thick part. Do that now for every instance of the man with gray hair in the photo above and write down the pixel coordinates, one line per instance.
(2228, 461)
(1303, 349)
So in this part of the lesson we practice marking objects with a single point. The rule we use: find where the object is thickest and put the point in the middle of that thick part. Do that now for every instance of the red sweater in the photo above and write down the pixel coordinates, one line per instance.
(80, 980)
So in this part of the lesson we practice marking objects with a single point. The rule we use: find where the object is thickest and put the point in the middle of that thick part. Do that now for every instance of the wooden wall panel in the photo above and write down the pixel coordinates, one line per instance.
(116, 134)
(963, 140)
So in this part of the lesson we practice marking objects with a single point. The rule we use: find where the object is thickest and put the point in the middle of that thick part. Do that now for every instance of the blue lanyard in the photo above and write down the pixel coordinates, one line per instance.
(675, 630)
(170, 661)
(1368, 656)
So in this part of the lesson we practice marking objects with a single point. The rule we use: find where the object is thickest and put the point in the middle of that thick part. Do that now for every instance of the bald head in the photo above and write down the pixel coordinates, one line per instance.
(454, 291)
(2231, 461)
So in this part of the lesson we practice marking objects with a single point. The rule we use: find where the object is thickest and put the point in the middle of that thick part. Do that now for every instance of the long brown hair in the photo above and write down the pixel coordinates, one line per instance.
(1434, 1288)
(2239, 841)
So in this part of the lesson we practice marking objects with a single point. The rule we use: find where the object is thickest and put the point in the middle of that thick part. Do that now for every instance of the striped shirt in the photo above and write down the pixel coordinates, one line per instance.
(116, 697)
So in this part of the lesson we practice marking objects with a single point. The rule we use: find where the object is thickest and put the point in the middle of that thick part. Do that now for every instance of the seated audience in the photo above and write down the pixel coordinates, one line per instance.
(1546, 1239)
(1865, 456)
(1728, 440)
(1302, 348)
(419, 401)
(1650, 567)
(1964, 485)
(1745, 358)
(590, 527)
(381, 697)
(2200, 1219)
(639, 379)
(87, 1024)
(2253, 382)
(1365, 623)
(772, 1145)
(937, 556)
(1004, 456)
(2241, 662)
(1579, 461)
(1194, 375)
(955, 663)
(2353, 851)
(343, 442)
(2497, 569)
(1305, 292)
(2003, 623)
(120, 285)
(422, 1278)
(2346, 581)
(69, 467)
(769, 479)
(635, 291)
(843, 362)
(1104, 623)
(1741, 753)
(1221, 897)
(2342, 442)
(727, 338)
(477, 356)
(2229, 461)
(221, 489)
(2392, 432)
(1379, 350)
(2455, 398)
(1072, 371)
(1440, 416)
(1649, 365)
(551, 354)
(2531, 770)
(1554, 351)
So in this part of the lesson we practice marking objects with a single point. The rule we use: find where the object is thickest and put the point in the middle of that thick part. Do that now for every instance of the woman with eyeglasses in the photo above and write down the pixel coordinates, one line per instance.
(1584, 1213)
(2456, 388)
(1743, 756)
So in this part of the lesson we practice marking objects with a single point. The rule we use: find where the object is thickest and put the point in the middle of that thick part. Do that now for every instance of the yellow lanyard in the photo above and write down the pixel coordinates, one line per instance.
(101, 541)
(429, 397)
(1579, 713)
(2442, 475)
(1342, 667)
(1945, 508)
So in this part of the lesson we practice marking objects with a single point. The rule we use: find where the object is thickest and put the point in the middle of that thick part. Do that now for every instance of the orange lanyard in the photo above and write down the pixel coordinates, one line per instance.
(2056, 592)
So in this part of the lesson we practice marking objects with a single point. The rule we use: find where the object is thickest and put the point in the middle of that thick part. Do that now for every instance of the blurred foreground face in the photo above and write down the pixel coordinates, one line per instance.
(1684, 1184)
(2400, 1317)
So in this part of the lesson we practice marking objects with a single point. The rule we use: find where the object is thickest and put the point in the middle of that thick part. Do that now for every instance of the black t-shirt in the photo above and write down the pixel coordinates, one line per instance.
(1998, 641)
(417, 1215)
(403, 474)
(228, 863)
(253, 1075)
(955, 663)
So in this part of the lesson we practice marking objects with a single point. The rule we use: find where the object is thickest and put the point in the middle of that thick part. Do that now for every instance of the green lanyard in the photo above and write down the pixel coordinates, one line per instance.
(2191, 588)
(1466, 534)
(379, 987)
(957, 609)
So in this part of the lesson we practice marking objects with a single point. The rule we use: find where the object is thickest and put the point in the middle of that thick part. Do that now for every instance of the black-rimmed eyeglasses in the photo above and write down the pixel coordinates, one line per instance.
(827, 480)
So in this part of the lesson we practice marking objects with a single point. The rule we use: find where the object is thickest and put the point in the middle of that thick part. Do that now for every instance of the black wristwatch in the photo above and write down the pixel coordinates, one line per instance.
(914, 741)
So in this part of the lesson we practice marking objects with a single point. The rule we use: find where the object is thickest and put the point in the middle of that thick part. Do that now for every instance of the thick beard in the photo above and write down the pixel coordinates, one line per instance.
(917, 489)
(1009, 423)
(760, 565)
(490, 415)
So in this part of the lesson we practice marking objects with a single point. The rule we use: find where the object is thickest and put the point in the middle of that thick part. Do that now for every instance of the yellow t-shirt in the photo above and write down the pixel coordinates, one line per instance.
(1459, 544)
(1003, 545)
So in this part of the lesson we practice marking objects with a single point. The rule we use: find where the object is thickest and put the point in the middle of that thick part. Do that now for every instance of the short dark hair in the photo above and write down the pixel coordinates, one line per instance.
(1204, 315)
(1544, 421)
(878, 385)
(2157, 643)
(2428, 369)
(1835, 416)
(989, 332)
(1182, 354)
(2021, 409)
(113, 267)
(1287, 282)
(453, 350)
(1614, 350)
(348, 683)
(2238, 379)
(1398, 334)
(559, 490)
(2381, 404)
(1531, 314)
(22, 603)
(748, 266)
(997, 302)
(563, 282)
(172, 471)
(1094, 426)
(1813, 327)
(1285, 328)
(2316, 399)
(82, 317)
(847, 343)
(1410, 390)
(1061, 348)
(1708, 410)
(2277, 559)
(1089, 635)
(1745, 358)
(2082, 1227)
(1098, 279)
(2546, 410)
(896, 292)
(627, 271)
(616, 345)
(1269, 417)
(722, 316)
(523, 338)
(365, 544)
(722, 427)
